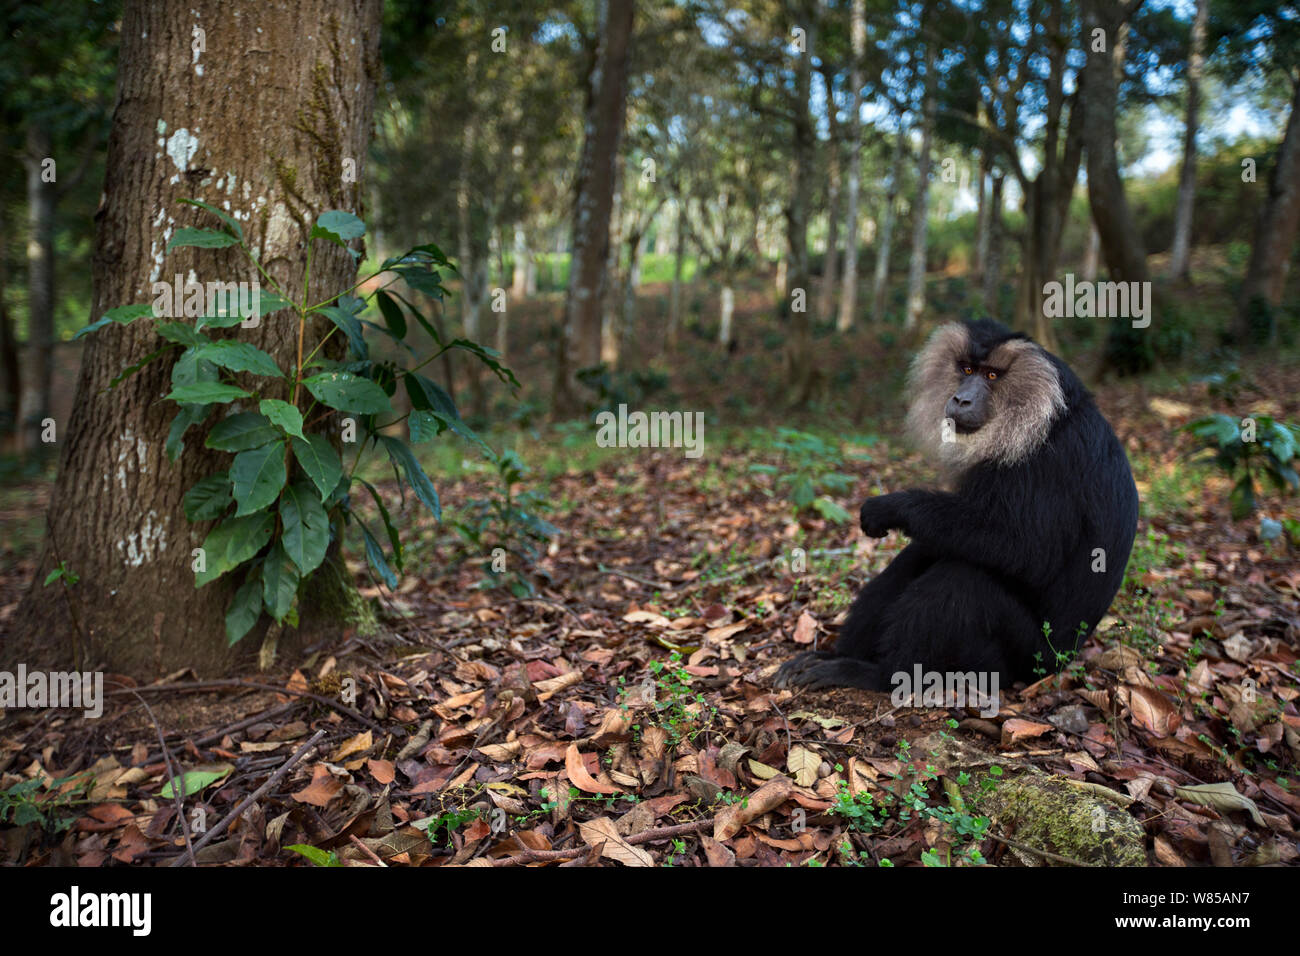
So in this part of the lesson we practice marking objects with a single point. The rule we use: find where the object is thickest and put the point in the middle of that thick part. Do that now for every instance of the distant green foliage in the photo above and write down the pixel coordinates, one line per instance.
(506, 530)
(808, 474)
(285, 495)
(1246, 449)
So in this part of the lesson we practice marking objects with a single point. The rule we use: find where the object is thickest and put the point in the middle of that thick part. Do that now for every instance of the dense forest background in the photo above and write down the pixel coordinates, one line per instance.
(485, 223)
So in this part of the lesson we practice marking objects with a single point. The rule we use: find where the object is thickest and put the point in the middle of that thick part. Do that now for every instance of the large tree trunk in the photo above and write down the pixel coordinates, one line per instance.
(42, 199)
(921, 206)
(267, 129)
(8, 341)
(615, 280)
(849, 292)
(602, 133)
(1127, 349)
(1181, 256)
(1275, 233)
(888, 216)
(831, 260)
(981, 215)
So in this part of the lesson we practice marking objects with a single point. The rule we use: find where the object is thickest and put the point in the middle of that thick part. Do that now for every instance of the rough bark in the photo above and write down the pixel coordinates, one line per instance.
(992, 278)
(1180, 256)
(42, 199)
(921, 205)
(268, 128)
(1275, 233)
(888, 216)
(800, 371)
(849, 292)
(602, 134)
(1127, 349)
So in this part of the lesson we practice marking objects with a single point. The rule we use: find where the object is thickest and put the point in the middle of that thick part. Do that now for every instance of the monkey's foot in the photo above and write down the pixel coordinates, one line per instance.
(819, 669)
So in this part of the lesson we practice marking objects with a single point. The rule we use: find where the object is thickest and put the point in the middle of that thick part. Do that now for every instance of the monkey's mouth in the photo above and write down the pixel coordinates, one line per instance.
(967, 426)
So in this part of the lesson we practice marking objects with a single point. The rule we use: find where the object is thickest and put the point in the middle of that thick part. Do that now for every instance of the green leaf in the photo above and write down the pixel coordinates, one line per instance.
(209, 498)
(201, 238)
(337, 227)
(401, 454)
(242, 431)
(270, 301)
(392, 313)
(419, 317)
(425, 426)
(306, 527)
(245, 608)
(428, 395)
(348, 324)
(193, 782)
(225, 217)
(190, 370)
(283, 415)
(257, 476)
(233, 542)
(375, 554)
(320, 461)
(279, 582)
(132, 369)
(181, 334)
(240, 357)
(348, 393)
(122, 315)
(830, 510)
(187, 417)
(488, 357)
(203, 392)
(393, 538)
(317, 856)
(1242, 498)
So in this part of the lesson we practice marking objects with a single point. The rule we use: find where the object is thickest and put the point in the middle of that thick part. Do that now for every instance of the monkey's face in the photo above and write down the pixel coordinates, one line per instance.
(972, 403)
(980, 393)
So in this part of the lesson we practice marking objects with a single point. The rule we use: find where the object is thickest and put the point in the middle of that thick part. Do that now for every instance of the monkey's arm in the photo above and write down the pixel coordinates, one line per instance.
(1019, 536)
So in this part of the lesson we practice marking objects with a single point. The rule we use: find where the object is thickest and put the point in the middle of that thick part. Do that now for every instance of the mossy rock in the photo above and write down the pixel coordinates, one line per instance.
(1053, 814)
(1085, 823)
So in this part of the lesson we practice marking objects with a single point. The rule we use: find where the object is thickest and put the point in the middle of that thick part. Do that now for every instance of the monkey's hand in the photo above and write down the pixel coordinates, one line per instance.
(880, 515)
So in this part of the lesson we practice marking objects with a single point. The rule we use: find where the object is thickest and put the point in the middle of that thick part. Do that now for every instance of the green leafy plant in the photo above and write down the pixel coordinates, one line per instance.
(285, 495)
(506, 530)
(1246, 449)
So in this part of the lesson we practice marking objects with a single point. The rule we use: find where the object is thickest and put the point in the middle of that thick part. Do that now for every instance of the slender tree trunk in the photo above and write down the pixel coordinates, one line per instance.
(679, 255)
(888, 217)
(981, 215)
(631, 283)
(602, 134)
(615, 279)
(992, 279)
(921, 207)
(800, 370)
(1275, 233)
(42, 200)
(1181, 256)
(1092, 254)
(519, 268)
(726, 308)
(830, 261)
(849, 292)
(279, 110)
(8, 341)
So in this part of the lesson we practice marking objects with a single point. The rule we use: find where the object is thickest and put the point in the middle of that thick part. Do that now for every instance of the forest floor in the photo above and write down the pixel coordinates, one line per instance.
(624, 712)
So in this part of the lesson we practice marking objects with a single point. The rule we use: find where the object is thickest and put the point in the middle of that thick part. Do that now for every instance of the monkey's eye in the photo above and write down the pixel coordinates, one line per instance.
(991, 375)
(966, 370)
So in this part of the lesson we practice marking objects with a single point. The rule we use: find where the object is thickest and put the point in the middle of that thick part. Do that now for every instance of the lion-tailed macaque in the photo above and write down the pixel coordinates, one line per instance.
(1019, 560)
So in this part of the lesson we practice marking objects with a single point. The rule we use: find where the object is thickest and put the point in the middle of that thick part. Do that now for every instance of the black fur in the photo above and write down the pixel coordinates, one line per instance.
(988, 564)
